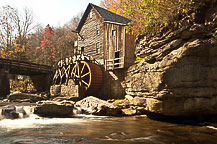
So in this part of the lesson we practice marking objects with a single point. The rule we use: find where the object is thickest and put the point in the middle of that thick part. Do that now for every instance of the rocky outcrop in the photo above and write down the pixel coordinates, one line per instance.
(131, 105)
(54, 109)
(178, 73)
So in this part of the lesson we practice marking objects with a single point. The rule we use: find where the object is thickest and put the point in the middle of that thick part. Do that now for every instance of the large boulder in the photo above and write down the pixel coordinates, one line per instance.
(54, 109)
(178, 73)
(95, 106)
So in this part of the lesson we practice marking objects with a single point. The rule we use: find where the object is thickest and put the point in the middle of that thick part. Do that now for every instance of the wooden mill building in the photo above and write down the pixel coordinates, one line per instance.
(102, 34)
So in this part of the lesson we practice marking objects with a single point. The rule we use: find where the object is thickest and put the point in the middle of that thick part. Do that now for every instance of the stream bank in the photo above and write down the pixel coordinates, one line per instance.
(50, 107)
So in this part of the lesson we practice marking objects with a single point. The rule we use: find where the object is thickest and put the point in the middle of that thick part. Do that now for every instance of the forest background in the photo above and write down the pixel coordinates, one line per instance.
(22, 39)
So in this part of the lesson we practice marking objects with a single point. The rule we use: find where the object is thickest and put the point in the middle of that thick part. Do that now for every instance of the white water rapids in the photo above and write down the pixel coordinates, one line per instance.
(30, 128)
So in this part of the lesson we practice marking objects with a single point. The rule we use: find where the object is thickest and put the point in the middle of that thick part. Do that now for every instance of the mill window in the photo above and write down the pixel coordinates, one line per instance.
(83, 35)
(76, 43)
(97, 29)
(91, 15)
(82, 50)
(114, 33)
(117, 59)
(97, 47)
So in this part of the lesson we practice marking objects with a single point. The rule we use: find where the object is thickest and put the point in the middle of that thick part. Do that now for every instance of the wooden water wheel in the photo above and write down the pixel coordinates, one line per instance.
(88, 76)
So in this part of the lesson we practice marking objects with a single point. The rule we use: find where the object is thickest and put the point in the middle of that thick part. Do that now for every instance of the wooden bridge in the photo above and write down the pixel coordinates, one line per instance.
(24, 68)
(41, 75)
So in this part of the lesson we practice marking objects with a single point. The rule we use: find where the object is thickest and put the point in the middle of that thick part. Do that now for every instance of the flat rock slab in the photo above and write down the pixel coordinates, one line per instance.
(26, 97)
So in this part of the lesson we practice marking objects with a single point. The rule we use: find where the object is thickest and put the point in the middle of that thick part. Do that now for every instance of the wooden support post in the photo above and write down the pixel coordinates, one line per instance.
(42, 83)
(4, 83)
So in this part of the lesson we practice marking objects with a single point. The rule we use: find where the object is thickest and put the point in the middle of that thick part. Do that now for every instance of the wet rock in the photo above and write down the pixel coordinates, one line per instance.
(128, 97)
(122, 103)
(14, 112)
(141, 110)
(138, 101)
(54, 109)
(26, 97)
(9, 112)
(95, 106)
(129, 111)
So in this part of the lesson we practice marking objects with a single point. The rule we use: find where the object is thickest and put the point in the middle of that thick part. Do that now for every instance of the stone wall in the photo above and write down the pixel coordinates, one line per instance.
(111, 88)
(71, 90)
(178, 73)
(68, 91)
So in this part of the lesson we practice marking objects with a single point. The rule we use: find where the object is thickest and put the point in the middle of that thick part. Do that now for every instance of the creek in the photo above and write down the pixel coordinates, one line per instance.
(84, 129)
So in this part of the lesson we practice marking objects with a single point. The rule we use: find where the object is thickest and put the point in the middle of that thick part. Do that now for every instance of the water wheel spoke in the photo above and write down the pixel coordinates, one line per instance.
(60, 73)
(78, 69)
(85, 83)
(85, 74)
(82, 69)
(74, 75)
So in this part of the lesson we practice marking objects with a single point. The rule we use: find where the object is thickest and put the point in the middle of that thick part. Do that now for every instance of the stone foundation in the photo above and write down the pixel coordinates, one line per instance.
(111, 88)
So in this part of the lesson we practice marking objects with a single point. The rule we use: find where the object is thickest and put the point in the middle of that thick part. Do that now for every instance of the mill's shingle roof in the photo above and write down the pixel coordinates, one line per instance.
(108, 16)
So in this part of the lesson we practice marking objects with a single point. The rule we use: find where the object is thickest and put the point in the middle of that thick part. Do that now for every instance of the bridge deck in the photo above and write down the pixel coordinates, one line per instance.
(24, 68)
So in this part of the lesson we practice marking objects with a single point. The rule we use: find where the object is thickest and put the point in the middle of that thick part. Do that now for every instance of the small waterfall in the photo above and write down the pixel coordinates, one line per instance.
(1, 116)
(15, 112)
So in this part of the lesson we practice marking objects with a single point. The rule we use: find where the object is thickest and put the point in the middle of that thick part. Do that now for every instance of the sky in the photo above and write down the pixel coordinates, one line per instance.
(53, 12)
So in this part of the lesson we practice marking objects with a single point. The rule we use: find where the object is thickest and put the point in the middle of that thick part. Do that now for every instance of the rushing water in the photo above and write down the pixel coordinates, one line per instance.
(102, 130)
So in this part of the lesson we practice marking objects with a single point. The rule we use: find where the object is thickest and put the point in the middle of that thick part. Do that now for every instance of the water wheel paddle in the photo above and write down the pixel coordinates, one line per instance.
(88, 75)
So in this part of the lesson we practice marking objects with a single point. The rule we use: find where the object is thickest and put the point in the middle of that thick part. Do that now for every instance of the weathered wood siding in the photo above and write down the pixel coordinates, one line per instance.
(113, 42)
(109, 39)
(129, 50)
(92, 39)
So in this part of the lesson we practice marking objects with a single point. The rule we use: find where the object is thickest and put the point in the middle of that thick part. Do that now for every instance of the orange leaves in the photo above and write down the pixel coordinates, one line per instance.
(46, 43)
(48, 32)
(47, 38)
(47, 50)
(13, 48)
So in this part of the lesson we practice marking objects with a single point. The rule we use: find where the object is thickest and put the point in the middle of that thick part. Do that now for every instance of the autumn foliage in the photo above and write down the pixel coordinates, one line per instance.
(21, 39)
(47, 48)
(14, 29)
(52, 44)
(153, 15)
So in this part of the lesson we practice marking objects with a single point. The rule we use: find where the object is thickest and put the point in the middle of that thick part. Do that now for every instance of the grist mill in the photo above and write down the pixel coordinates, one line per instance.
(102, 54)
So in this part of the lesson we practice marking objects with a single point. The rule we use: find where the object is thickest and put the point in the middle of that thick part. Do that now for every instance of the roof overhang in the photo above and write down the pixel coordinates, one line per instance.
(115, 23)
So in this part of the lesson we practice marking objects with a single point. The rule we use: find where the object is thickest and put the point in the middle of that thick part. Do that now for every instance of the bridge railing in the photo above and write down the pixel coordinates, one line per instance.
(20, 64)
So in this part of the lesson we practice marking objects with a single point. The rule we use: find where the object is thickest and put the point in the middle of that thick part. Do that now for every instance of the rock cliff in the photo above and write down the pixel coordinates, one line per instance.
(178, 73)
